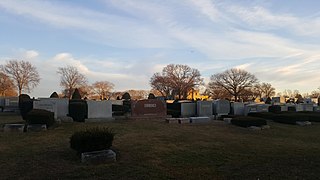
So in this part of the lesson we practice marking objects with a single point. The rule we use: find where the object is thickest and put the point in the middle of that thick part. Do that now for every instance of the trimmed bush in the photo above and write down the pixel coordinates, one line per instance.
(247, 121)
(94, 139)
(312, 116)
(292, 109)
(54, 95)
(274, 108)
(76, 94)
(264, 115)
(151, 96)
(290, 118)
(126, 96)
(25, 105)
(40, 116)
(78, 110)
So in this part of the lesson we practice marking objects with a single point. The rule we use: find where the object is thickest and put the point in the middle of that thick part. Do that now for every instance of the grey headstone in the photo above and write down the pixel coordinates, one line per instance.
(237, 108)
(221, 107)
(188, 109)
(99, 109)
(204, 108)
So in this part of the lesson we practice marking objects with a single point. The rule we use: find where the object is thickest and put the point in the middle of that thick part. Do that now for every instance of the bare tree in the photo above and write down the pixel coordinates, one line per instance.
(24, 75)
(235, 81)
(176, 79)
(216, 92)
(103, 89)
(71, 78)
(138, 94)
(268, 90)
(6, 86)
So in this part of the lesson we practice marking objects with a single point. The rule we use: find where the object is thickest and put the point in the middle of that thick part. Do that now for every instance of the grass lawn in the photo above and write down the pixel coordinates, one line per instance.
(151, 149)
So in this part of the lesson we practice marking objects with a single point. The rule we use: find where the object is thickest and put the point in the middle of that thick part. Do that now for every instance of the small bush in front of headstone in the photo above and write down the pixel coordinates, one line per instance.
(25, 105)
(289, 118)
(94, 139)
(247, 121)
(40, 116)
(264, 115)
(268, 100)
(274, 108)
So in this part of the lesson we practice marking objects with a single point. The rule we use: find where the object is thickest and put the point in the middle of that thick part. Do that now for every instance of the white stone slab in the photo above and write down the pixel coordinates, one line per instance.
(200, 120)
(36, 127)
(204, 108)
(221, 107)
(188, 109)
(303, 123)
(183, 120)
(172, 120)
(237, 108)
(227, 120)
(99, 109)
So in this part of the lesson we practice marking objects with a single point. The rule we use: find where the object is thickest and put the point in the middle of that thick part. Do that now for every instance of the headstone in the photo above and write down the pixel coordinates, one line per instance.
(304, 107)
(36, 127)
(117, 102)
(204, 108)
(308, 101)
(284, 108)
(254, 108)
(11, 104)
(99, 111)
(188, 109)
(13, 128)
(200, 120)
(148, 107)
(98, 157)
(221, 107)
(316, 108)
(237, 108)
(59, 106)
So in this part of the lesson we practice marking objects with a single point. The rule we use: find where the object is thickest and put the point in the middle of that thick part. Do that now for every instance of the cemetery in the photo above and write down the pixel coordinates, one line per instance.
(173, 139)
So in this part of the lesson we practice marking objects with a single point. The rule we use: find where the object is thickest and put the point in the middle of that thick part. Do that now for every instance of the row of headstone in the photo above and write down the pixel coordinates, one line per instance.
(9, 103)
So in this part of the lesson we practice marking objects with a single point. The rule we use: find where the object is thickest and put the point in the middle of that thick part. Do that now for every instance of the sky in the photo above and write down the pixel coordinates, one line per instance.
(126, 41)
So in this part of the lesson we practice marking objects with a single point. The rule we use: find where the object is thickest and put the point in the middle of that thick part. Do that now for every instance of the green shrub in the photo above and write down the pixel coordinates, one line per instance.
(311, 116)
(94, 139)
(274, 108)
(289, 118)
(76, 94)
(264, 115)
(292, 109)
(151, 96)
(126, 96)
(40, 116)
(78, 110)
(25, 105)
(247, 121)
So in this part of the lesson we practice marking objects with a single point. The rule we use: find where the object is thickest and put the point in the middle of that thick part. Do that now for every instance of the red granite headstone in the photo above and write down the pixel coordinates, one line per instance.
(148, 107)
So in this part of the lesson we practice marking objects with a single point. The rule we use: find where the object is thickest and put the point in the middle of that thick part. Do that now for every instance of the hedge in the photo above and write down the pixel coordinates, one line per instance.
(40, 116)
(247, 121)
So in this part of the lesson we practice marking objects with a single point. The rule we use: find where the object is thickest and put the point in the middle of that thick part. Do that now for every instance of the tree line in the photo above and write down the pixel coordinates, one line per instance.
(174, 82)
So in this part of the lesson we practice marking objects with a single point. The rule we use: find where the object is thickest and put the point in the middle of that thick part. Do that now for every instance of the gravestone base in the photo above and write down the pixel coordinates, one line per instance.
(265, 127)
(183, 120)
(13, 128)
(303, 123)
(66, 119)
(254, 128)
(99, 157)
(36, 127)
(172, 120)
(89, 120)
(227, 120)
(200, 120)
